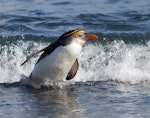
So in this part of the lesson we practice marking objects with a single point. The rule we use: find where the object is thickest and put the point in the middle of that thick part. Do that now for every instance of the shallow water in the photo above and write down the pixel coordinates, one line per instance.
(113, 77)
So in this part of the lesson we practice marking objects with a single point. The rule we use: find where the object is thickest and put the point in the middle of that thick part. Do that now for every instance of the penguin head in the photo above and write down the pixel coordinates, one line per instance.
(78, 36)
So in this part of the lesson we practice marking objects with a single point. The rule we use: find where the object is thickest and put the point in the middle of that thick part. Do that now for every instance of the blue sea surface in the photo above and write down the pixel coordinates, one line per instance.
(113, 80)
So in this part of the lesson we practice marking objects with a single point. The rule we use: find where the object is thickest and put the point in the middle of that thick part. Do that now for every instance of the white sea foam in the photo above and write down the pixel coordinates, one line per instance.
(116, 61)
(12, 56)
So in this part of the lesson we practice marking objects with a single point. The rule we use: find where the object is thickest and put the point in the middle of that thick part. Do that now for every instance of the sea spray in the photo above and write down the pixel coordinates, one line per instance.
(11, 57)
(116, 61)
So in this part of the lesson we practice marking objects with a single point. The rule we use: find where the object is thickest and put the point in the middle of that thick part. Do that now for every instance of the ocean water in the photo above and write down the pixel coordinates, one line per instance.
(113, 80)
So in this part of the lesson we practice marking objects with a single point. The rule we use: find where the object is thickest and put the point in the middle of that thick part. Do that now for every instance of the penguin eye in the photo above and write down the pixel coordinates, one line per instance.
(81, 35)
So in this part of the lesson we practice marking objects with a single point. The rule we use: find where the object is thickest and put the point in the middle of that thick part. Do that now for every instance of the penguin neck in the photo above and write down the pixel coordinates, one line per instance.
(73, 49)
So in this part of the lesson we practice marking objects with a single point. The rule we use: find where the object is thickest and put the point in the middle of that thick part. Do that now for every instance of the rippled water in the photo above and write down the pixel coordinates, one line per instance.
(113, 77)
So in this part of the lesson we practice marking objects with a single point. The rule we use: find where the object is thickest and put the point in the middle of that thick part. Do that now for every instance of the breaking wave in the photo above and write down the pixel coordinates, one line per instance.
(116, 61)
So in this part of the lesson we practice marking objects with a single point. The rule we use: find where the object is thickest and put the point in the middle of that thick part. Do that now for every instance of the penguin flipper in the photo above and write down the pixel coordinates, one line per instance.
(33, 55)
(73, 70)
(47, 50)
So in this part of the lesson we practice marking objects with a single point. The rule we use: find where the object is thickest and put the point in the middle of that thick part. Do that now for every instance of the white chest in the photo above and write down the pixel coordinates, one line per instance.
(56, 66)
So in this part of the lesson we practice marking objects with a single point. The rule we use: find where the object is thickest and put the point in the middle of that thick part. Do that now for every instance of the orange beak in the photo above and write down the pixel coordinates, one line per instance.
(91, 36)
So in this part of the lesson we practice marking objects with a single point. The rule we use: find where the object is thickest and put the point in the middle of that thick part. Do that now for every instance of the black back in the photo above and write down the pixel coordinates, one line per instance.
(49, 50)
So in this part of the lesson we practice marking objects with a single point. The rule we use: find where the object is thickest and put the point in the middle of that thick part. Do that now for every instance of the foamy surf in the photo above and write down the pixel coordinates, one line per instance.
(116, 61)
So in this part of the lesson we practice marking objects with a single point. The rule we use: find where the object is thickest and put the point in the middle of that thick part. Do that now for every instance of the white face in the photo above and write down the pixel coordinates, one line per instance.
(79, 38)
(81, 35)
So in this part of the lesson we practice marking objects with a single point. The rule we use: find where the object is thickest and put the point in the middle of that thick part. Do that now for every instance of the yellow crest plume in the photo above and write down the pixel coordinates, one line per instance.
(74, 32)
